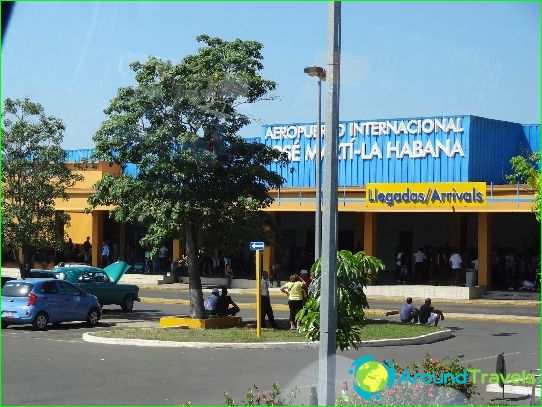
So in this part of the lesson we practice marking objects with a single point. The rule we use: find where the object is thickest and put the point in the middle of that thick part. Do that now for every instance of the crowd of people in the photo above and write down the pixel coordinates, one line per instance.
(510, 269)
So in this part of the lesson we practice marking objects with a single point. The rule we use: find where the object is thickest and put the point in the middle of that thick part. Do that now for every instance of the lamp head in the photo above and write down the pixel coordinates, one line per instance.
(317, 71)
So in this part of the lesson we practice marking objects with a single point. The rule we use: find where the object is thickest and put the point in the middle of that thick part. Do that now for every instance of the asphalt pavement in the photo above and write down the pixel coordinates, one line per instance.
(57, 367)
(471, 307)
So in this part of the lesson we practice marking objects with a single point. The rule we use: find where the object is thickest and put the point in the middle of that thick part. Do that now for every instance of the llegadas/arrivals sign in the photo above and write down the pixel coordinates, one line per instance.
(435, 194)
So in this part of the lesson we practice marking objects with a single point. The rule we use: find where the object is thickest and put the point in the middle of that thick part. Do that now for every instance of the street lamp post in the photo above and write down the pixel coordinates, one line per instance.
(319, 73)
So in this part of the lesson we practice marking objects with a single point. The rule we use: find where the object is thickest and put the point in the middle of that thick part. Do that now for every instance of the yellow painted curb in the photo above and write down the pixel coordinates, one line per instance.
(377, 312)
(185, 320)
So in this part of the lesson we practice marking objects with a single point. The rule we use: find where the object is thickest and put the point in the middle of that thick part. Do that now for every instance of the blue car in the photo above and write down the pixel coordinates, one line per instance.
(40, 301)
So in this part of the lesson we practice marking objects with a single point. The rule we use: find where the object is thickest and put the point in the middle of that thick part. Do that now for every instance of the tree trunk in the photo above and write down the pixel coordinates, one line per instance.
(197, 309)
(26, 264)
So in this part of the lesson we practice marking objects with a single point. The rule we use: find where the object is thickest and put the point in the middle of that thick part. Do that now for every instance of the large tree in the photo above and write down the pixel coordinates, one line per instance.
(34, 175)
(527, 172)
(179, 127)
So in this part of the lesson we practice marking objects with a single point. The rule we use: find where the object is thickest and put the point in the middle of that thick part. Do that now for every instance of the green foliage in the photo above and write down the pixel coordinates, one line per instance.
(34, 175)
(197, 180)
(256, 397)
(450, 365)
(406, 393)
(527, 172)
(354, 272)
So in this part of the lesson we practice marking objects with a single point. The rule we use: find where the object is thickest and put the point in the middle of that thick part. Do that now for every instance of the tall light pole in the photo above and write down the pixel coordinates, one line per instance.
(328, 295)
(320, 73)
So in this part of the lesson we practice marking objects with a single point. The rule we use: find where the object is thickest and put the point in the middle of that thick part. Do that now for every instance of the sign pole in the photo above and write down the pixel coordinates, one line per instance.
(258, 295)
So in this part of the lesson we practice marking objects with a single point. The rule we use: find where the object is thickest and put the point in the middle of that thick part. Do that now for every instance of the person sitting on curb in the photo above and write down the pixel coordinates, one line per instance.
(428, 315)
(211, 302)
(408, 312)
(223, 304)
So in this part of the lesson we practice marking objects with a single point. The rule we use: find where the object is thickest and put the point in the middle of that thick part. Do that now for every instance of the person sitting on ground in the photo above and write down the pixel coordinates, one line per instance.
(409, 312)
(211, 302)
(223, 304)
(428, 315)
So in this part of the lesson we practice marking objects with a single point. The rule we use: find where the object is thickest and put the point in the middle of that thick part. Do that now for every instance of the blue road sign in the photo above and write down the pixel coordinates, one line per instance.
(256, 245)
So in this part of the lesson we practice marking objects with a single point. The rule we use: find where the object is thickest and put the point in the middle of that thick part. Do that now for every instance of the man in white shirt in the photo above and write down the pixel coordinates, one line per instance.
(266, 302)
(455, 265)
(419, 265)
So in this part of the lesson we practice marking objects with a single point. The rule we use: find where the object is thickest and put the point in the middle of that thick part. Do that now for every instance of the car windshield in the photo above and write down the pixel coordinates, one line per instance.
(16, 289)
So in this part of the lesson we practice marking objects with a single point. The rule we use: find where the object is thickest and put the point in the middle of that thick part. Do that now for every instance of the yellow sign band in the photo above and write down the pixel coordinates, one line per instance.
(427, 194)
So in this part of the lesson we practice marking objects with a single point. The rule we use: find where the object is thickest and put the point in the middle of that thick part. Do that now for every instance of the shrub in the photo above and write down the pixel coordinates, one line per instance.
(354, 272)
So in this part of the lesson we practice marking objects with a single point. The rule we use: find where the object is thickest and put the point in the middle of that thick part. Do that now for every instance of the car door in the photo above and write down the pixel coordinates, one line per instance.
(106, 287)
(72, 308)
(53, 301)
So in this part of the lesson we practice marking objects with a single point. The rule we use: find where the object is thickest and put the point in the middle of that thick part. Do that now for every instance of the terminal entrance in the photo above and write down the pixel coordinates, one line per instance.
(513, 236)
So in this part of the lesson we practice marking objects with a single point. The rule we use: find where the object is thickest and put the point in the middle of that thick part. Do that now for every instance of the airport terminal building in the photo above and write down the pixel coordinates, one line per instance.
(406, 182)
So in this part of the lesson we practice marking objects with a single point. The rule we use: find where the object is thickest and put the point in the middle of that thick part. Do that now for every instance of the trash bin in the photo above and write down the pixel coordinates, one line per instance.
(469, 278)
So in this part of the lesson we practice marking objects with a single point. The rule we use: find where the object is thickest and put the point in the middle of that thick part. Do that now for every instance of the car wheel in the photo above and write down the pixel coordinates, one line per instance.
(128, 303)
(40, 321)
(93, 317)
(4, 325)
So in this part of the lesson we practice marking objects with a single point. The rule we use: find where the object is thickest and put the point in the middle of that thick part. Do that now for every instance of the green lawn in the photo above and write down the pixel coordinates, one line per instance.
(372, 330)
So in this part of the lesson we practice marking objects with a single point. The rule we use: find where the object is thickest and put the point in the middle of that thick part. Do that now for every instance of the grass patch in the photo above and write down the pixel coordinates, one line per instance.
(380, 329)
(238, 335)
(371, 330)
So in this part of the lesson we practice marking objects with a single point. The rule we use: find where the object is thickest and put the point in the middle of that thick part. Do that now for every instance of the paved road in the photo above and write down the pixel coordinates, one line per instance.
(533, 310)
(56, 367)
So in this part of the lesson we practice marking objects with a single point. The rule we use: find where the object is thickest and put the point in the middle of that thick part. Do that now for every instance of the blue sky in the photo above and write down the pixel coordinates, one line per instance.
(398, 59)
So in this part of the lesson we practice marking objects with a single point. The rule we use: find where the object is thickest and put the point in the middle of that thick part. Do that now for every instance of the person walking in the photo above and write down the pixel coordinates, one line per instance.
(105, 253)
(87, 251)
(294, 290)
(419, 266)
(266, 308)
(228, 274)
(455, 264)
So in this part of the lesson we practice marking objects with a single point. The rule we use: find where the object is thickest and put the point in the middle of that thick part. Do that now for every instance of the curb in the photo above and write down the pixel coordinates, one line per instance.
(513, 319)
(274, 293)
(418, 340)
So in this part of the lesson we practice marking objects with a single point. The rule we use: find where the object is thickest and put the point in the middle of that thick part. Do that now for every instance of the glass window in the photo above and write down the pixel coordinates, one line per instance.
(85, 277)
(67, 288)
(16, 289)
(101, 278)
(49, 287)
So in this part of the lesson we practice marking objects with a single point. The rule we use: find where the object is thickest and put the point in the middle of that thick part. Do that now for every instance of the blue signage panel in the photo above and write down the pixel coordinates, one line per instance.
(424, 149)
(256, 245)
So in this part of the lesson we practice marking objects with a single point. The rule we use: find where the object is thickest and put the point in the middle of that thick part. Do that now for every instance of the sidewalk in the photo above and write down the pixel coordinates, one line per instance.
(275, 291)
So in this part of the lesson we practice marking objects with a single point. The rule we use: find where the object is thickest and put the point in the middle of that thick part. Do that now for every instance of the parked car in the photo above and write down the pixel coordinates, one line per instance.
(103, 283)
(6, 279)
(40, 301)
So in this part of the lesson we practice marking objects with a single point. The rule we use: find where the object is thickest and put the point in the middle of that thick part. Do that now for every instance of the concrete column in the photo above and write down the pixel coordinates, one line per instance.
(177, 249)
(268, 257)
(484, 249)
(358, 228)
(369, 233)
(97, 237)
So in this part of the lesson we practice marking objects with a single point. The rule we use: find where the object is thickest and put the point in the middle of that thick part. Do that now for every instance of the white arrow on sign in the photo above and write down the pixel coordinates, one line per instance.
(257, 245)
